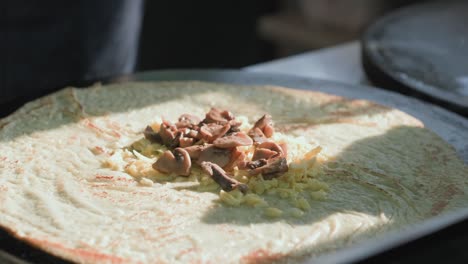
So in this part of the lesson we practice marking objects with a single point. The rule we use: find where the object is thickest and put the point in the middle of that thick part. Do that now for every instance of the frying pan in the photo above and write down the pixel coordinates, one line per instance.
(451, 127)
(421, 50)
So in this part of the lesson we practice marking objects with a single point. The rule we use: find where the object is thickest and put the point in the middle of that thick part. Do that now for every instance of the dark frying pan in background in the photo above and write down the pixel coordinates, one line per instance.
(422, 50)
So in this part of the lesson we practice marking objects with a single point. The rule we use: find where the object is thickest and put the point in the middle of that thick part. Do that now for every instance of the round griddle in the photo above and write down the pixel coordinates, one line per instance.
(422, 50)
(450, 126)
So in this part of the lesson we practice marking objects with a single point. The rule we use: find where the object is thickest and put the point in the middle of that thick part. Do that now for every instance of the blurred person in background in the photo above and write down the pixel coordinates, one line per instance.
(49, 44)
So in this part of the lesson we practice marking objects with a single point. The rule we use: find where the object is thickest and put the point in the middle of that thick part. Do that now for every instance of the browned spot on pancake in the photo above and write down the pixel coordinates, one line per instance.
(99, 130)
(395, 181)
(108, 185)
(102, 194)
(450, 191)
(311, 124)
(110, 177)
(187, 251)
(261, 256)
(77, 254)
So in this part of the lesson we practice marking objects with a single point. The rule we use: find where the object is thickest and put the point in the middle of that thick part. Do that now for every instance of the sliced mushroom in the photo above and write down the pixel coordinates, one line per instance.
(262, 153)
(177, 161)
(212, 131)
(284, 147)
(234, 140)
(275, 168)
(233, 129)
(195, 150)
(268, 130)
(235, 124)
(216, 155)
(216, 115)
(152, 135)
(185, 142)
(176, 141)
(272, 169)
(252, 165)
(263, 125)
(167, 132)
(188, 120)
(267, 150)
(257, 135)
(189, 137)
(236, 157)
(219, 176)
(193, 134)
(271, 145)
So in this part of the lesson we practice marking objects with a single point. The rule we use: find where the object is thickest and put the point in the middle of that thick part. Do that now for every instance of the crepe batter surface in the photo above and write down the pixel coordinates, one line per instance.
(67, 187)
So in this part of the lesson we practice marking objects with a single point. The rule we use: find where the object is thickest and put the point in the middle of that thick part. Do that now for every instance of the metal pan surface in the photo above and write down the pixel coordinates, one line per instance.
(451, 127)
(422, 50)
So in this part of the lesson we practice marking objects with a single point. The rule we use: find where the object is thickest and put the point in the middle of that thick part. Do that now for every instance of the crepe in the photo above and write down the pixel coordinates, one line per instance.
(71, 185)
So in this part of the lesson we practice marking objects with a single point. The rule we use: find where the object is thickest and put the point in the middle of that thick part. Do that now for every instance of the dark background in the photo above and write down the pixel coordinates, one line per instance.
(233, 34)
(203, 34)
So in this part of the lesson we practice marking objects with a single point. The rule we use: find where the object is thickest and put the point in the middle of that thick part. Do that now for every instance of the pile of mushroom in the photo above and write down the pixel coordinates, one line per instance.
(213, 144)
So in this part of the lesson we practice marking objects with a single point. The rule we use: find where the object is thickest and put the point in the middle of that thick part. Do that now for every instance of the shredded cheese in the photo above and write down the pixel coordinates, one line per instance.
(299, 186)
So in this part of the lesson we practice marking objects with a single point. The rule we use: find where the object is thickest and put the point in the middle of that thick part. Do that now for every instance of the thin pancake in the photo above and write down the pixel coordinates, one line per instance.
(66, 187)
